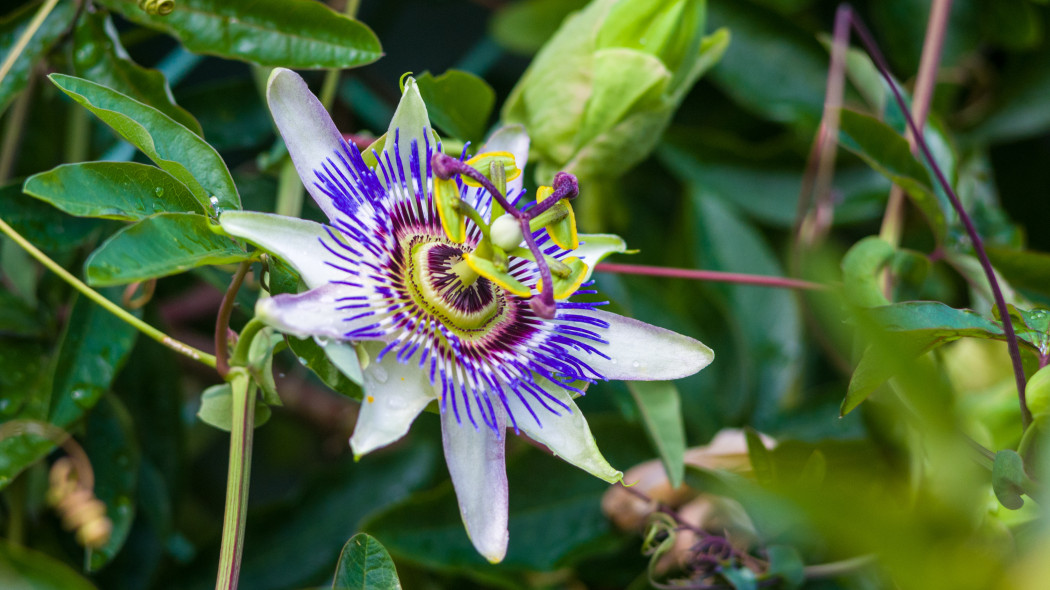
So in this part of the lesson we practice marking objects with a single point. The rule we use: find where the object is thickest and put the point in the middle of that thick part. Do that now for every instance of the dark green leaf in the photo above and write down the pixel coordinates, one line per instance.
(1025, 269)
(789, 89)
(112, 190)
(217, 408)
(47, 229)
(25, 569)
(661, 413)
(110, 444)
(768, 350)
(94, 348)
(365, 564)
(889, 153)
(458, 102)
(11, 28)
(98, 56)
(17, 318)
(158, 246)
(170, 145)
(286, 33)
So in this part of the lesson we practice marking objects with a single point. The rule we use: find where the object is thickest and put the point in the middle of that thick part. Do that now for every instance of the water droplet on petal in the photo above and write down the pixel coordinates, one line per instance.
(379, 374)
(636, 364)
(395, 403)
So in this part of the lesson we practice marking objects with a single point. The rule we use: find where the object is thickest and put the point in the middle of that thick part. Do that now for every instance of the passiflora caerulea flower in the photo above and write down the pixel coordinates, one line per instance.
(458, 287)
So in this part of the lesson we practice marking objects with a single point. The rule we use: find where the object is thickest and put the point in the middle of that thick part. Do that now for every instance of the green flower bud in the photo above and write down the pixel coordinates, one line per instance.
(600, 93)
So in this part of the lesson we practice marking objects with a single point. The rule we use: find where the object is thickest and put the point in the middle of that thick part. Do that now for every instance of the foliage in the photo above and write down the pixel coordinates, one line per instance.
(886, 444)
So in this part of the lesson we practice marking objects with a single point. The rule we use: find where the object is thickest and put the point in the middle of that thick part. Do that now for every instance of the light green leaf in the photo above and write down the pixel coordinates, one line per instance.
(908, 330)
(287, 33)
(523, 27)
(11, 28)
(98, 56)
(661, 412)
(112, 190)
(158, 246)
(365, 564)
(217, 408)
(170, 145)
(459, 102)
(860, 271)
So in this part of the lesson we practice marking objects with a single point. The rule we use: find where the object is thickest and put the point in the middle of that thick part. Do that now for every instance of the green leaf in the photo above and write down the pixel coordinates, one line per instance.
(17, 318)
(11, 28)
(112, 190)
(170, 145)
(1008, 479)
(288, 33)
(765, 323)
(1025, 269)
(98, 56)
(158, 246)
(458, 102)
(26, 569)
(661, 412)
(365, 564)
(41, 224)
(313, 357)
(908, 330)
(789, 89)
(93, 349)
(217, 408)
(760, 457)
(861, 268)
(787, 564)
(887, 152)
(114, 453)
(741, 578)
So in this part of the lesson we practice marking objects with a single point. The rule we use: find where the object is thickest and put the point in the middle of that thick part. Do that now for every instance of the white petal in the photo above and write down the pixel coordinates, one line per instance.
(513, 139)
(477, 463)
(638, 351)
(307, 129)
(595, 247)
(296, 241)
(312, 313)
(567, 435)
(395, 393)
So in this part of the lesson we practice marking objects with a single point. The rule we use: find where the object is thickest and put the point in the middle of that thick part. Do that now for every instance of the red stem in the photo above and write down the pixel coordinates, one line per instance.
(708, 275)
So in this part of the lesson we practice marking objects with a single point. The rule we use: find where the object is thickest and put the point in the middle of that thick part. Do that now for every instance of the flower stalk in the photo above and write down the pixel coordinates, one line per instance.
(238, 476)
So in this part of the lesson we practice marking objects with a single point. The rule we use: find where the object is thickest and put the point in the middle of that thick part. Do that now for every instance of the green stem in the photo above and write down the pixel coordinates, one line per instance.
(16, 123)
(78, 134)
(238, 479)
(289, 191)
(837, 569)
(113, 308)
(20, 45)
(331, 78)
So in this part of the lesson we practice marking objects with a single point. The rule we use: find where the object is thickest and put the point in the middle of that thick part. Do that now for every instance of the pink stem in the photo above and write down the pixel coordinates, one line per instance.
(708, 275)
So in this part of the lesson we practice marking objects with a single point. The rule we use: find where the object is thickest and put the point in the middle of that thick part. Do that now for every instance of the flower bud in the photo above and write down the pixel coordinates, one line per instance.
(601, 91)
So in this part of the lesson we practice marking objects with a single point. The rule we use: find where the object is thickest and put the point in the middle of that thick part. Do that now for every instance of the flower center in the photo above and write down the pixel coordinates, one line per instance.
(469, 310)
